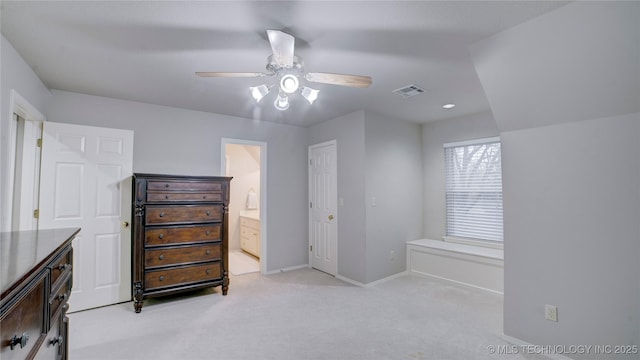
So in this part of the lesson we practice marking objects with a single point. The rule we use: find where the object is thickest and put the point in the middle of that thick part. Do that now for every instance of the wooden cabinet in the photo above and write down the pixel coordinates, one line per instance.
(36, 279)
(180, 234)
(250, 235)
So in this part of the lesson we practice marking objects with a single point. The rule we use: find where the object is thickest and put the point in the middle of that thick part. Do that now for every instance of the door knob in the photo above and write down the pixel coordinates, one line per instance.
(125, 224)
(330, 217)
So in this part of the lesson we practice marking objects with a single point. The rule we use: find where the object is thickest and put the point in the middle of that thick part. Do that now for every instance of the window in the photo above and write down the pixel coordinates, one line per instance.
(473, 183)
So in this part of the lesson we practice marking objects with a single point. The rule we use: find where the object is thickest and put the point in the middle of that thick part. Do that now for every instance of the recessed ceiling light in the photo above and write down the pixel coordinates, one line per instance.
(448, 106)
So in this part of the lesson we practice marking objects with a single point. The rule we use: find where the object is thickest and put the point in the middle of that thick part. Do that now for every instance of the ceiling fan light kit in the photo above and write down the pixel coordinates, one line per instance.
(258, 92)
(309, 94)
(282, 102)
(288, 68)
(289, 83)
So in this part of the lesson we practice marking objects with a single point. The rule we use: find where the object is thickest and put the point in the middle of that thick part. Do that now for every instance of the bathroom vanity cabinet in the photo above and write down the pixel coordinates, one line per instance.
(250, 235)
(180, 234)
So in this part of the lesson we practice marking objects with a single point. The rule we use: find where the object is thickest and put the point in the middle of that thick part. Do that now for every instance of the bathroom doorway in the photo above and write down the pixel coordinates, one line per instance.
(245, 161)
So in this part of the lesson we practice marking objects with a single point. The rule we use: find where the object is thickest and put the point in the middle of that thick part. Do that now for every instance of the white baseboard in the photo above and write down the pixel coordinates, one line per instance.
(516, 341)
(290, 268)
(450, 281)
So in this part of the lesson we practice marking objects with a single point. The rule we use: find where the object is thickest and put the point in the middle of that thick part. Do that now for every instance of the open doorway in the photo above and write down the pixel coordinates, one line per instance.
(245, 161)
(21, 180)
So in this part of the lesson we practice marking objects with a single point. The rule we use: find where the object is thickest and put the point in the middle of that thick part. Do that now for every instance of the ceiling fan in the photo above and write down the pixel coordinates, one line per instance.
(289, 69)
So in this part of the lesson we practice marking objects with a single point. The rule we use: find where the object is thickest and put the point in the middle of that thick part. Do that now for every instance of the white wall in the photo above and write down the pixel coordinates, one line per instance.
(377, 157)
(16, 75)
(348, 130)
(434, 136)
(564, 89)
(572, 233)
(393, 158)
(177, 141)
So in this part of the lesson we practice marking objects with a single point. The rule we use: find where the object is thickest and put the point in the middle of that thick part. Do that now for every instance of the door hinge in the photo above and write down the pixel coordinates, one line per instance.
(310, 204)
(39, 143)
(311, 248)
(310, 162)
(36, 213)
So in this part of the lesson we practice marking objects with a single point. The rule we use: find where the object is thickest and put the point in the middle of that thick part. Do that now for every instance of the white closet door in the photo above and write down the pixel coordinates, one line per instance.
(86, 182)
(323, 223)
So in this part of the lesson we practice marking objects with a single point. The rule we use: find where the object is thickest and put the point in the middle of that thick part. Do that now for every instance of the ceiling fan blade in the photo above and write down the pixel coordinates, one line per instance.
(340, 79)
(282, 45)
(231, 74)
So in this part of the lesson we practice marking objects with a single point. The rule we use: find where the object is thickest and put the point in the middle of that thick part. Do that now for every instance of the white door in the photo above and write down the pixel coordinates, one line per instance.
(86, 182)
(323, 223)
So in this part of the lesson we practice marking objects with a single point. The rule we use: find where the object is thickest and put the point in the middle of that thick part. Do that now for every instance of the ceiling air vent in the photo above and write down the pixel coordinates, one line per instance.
(408, 91)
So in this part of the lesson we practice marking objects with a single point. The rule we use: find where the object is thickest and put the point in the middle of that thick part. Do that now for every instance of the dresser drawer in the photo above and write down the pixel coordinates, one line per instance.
(53, 346)
(183, 214)
(59, 296)
(182, 275)
(167, 196)
(23, 319)
(182, 255)
(60, 267)
(183, 185)
(181, 235)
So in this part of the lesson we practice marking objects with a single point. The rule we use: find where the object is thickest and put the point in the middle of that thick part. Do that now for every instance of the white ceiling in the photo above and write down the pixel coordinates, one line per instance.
(148, 51)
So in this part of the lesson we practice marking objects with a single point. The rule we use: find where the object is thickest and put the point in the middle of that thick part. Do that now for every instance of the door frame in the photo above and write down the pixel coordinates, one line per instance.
(334, 143)
(263, 189)
(23, 108)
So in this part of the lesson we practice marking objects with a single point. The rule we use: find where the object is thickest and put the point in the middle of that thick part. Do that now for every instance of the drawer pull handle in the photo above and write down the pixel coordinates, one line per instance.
(161, 236)
(162, 214)
(161, 278)
(208, 252)
(166, 185)
(63, 267)
(22, 340)
(161, 257)
(207, 232)
(204, 197)
(208, 212)
(56, 340)
(208, 271)
(62, 297)
(166, 196)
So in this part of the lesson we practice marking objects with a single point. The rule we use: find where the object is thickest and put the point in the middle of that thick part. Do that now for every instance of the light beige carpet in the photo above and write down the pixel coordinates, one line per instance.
(299, 315)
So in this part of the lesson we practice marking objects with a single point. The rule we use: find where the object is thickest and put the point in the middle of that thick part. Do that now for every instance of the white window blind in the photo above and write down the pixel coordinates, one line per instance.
(474, 189)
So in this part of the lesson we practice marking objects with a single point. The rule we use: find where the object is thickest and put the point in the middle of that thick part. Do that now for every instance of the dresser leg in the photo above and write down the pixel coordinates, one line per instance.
(225, 283)
(137, 296)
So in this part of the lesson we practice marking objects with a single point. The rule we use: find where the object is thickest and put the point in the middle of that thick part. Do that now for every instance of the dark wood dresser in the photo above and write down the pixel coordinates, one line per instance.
(36, 279)
(180, 234)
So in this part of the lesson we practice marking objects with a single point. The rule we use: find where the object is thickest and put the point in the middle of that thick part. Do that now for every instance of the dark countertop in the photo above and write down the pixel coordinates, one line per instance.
(22, 252)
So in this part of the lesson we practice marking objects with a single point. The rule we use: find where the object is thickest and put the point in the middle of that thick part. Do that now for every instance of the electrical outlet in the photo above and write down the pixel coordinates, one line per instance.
(551, 312)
